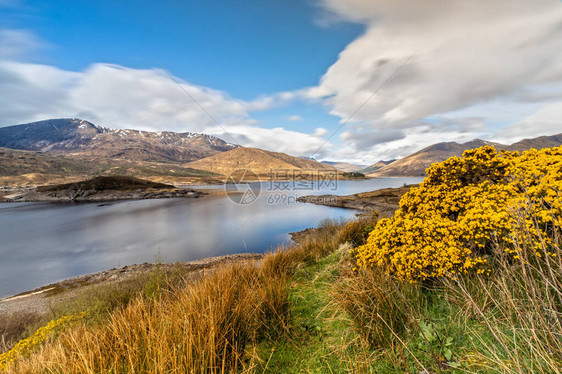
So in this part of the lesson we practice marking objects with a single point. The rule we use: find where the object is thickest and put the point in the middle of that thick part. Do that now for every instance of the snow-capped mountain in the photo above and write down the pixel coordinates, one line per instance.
(75, 136)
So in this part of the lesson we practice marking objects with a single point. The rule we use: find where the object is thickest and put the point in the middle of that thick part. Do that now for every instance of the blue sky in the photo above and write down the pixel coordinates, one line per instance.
(283, 75)
(245, 48)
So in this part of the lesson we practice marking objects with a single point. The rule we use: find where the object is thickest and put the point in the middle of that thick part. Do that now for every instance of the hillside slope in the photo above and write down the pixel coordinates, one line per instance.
(23, 168)
(258, 161)
(343, 166)
(376, 166)
(79, 137)
(417, 163)
(537, 143)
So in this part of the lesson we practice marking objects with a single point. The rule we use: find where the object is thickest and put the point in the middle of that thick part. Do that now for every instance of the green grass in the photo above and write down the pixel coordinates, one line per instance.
(321, 337)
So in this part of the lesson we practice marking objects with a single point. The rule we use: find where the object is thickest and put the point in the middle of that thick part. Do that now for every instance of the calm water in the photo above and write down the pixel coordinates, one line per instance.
(41, 243)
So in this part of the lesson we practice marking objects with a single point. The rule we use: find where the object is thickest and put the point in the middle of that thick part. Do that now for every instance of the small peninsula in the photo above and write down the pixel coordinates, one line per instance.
(106, 188)
(385, 201)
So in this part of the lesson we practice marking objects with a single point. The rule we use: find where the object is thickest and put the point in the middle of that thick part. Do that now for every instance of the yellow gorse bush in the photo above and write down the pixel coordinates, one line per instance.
(24, 347)
(450, 222)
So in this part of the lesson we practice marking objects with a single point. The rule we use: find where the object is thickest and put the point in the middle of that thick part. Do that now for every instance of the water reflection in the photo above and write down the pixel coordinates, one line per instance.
(43, 243)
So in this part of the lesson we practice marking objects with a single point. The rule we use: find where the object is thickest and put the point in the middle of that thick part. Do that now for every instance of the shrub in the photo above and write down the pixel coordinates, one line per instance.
(353, 174)
(519, 305)
(450, 223)
(17, 326)
(24, 347)
(380, 307)
(356, 232)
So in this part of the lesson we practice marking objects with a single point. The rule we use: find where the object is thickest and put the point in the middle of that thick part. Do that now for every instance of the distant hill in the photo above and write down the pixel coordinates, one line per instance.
(79, 137)
(537, 143)
(376, 166)
(34, 168)
(257, 160)
(344, 166)
(417, 163)
(117, 182)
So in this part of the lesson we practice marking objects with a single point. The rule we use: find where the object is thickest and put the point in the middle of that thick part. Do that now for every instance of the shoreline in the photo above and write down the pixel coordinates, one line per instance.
(384, 201)
(39, 300)
(34, 196)
(101, 189)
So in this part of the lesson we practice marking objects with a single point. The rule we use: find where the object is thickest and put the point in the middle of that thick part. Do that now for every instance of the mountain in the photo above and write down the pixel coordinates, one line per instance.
(344, 166)
(79, 137)
(417, 163)
(258, 161)
(66, 150)
(376, 166)
(28, 168)
(537, 143)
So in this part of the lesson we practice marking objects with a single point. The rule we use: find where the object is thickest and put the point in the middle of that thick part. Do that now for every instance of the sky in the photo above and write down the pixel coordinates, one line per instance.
(341, 80)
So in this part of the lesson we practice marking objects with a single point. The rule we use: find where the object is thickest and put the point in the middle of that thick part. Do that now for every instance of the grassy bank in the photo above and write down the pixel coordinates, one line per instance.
(304, 309)
(180, 325)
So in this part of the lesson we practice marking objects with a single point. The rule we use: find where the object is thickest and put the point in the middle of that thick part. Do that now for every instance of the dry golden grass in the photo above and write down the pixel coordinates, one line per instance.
(202, 326)
(15, 327)
(381, 308)
(521, 306)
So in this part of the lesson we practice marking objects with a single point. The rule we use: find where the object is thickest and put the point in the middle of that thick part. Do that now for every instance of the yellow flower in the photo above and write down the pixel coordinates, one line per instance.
(449, 222)
(24, 347)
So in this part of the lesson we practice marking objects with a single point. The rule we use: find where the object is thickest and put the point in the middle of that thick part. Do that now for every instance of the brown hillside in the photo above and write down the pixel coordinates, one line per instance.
(376, 166)
(257, 160)
(537, 143)
(25, 168)
(344, 166)
(417, 163)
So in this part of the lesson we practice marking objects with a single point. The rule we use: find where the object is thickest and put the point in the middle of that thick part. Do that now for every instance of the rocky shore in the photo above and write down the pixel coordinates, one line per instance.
(41, 299)
(101, 189)
(384, 201)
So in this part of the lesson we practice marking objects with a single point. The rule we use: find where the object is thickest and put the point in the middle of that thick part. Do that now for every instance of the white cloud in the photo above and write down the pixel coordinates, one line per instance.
(400, 145)
(110, 95)
(294, 118)
(277, 139)
(480, 68)
(546, 121)
(465, 53)
(16, 44)
(320, 132)
(120, 97)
